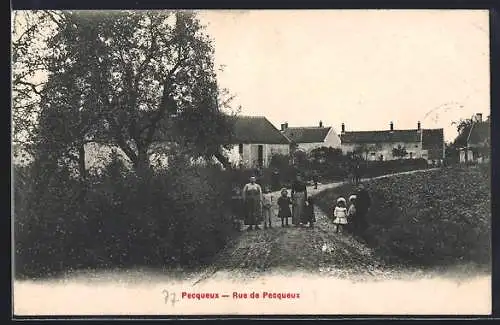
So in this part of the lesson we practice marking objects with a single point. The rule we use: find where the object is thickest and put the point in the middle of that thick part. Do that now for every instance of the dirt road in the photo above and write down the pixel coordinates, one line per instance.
(315, 250)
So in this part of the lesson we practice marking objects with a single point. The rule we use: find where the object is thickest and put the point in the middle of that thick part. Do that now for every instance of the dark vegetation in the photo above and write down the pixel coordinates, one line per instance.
(177, 217)
(435, 218)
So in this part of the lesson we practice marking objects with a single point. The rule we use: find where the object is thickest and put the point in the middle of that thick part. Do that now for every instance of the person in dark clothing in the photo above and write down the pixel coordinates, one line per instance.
(356, 172)
(309, 216)
(275, 179)
(284, 203)
(315, 180)
(363, 202)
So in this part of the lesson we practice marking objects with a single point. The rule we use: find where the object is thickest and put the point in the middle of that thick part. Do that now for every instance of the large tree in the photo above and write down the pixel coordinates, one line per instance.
(133, 79)
(30, 32)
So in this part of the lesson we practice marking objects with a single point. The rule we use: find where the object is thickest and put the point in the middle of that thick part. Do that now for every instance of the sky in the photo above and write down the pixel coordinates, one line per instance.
(364, 68)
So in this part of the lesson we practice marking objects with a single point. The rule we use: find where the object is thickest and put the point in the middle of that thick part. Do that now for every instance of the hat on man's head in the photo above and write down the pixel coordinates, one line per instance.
(340, 199)
(352, 198)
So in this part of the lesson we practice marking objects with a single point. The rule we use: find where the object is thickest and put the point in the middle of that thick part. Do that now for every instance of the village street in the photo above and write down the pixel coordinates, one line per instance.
(317, 249)
(319, 264)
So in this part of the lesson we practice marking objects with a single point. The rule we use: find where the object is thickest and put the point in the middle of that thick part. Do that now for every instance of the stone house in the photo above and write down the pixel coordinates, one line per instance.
(309, 138)
(255, 141)
(474, 145)
(378, 145)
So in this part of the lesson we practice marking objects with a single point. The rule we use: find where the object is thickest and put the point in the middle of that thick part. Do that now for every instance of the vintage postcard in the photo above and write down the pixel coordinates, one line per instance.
(251, 162)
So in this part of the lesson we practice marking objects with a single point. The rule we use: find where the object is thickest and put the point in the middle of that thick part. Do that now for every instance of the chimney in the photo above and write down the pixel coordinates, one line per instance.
(391, 125)
(418, 126)
(479, 117)
(320, 124)
(343, 128)
(284, 126)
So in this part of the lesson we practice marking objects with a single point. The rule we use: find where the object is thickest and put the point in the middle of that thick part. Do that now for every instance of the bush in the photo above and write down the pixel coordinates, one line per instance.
(426, 219)
(174, 217)
(378, 168)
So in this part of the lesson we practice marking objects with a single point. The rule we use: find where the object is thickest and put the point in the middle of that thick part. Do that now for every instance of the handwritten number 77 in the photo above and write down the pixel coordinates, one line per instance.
(171, 296)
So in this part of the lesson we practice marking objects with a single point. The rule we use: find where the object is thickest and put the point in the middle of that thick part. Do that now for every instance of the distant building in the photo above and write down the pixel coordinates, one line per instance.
(379, 145)
(474, 143)
(310, 138)
(255, 141)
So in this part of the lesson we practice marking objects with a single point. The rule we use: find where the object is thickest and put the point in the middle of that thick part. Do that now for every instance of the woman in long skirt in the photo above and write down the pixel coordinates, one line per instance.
(252, 197)
(299, 197)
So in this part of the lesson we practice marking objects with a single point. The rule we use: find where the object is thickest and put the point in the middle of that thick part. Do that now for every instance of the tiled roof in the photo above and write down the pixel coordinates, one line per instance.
(480, 133)
(306, 134)
(432, 138)
(380, 136)
(257, 129)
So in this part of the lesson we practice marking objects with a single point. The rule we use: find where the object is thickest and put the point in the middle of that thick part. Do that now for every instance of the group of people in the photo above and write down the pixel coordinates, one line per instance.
(352, 215)
(254, 206)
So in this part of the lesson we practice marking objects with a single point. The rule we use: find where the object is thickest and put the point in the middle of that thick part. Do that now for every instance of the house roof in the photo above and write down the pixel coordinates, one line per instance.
(256, 129)
(478, 133)
(432, 139)
(380, 136)
(306, 134)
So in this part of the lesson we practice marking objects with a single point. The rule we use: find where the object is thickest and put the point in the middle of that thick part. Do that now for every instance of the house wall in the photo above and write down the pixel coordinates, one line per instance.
(308, 147)
(331, 140)
(250, 153)
(414, 150)
(97, 156)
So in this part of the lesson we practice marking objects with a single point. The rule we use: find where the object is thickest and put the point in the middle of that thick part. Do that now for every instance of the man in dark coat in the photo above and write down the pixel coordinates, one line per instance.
(356, 172)
(315, 178)
(276, 180)
(363, 202)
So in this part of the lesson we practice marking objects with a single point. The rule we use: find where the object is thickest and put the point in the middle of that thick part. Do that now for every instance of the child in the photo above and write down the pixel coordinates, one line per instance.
(309, 212)
(237, 208)
(284, 207)
(351, 212)
(267, 203)
(340, 214)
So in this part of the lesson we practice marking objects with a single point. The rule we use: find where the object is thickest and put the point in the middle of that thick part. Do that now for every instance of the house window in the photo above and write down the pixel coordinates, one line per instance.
(240, 148)
(416, 146)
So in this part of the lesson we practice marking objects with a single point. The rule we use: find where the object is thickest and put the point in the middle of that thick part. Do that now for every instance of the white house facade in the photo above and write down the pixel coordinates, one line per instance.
(310, 138)
(379, 145)
(255, 141)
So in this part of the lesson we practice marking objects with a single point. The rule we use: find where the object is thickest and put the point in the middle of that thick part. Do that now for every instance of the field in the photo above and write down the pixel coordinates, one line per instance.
(437, 218)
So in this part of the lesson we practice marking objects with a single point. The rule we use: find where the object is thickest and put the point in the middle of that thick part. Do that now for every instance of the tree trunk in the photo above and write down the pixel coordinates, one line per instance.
(81, 163)
(142, 165)
(223, 160)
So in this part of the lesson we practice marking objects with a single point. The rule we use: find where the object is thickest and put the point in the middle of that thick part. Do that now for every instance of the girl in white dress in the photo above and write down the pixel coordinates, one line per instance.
(340, 214)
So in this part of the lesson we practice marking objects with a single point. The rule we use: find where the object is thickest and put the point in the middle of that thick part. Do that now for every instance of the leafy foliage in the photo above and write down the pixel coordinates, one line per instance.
(170, 218)
(132, 79)
(438, 217)
(399, 152)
